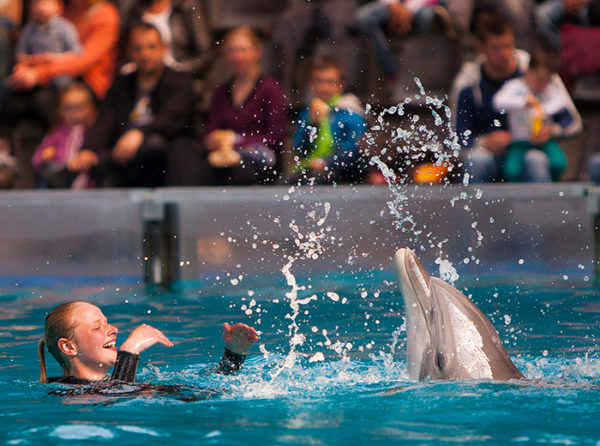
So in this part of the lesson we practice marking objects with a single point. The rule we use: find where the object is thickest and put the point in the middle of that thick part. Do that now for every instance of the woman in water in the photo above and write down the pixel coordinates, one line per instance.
(80, 338)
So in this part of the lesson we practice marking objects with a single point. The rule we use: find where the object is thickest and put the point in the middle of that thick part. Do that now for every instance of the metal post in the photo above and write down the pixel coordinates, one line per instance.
(160, 242)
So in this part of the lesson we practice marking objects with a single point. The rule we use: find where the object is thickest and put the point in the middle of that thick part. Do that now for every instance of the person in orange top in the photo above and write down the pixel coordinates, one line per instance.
(97, 23)
(29, 94)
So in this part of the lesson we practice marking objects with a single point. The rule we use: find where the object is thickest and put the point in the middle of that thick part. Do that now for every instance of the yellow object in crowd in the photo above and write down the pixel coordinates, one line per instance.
(537, 120)
(430, 172)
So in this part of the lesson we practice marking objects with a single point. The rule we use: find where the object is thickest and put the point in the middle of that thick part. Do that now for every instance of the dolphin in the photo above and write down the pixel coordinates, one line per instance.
(448, 337)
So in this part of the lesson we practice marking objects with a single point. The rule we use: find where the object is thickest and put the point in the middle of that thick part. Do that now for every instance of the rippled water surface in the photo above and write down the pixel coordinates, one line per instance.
(334, 373)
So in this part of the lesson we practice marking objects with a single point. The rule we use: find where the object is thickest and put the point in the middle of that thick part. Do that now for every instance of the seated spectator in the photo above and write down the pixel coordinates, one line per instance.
(47, 37)
(328, 129)
(400, 17)
(539, 111)
(97, 23)
(183, 25)
(144, 121)
(247, 120)
(550, 15)
(77, 113)
(31, 95)
(482, 130)
(10, 20)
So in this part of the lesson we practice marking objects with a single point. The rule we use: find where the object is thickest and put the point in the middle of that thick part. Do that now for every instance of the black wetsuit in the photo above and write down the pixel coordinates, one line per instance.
(122, 380)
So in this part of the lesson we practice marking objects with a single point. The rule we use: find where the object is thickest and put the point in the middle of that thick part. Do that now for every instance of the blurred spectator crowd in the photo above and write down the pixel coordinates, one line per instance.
(151, 93)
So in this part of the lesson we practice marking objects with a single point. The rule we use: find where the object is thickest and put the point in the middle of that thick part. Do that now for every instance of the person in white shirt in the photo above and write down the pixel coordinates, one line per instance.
(539, 111)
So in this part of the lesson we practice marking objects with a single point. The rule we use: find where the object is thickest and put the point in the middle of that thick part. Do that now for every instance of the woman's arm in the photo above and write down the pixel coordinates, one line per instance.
(140, 339)
(125, 368)
(238, 339)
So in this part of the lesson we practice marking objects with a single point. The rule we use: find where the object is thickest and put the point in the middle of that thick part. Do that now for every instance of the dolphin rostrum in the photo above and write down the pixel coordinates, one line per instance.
(448, 337)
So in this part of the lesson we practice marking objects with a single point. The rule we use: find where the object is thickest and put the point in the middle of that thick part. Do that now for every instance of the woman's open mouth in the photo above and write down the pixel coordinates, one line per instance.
(112, 345)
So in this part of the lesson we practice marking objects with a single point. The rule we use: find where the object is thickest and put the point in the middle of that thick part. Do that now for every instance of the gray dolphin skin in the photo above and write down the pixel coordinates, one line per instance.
(448, 337)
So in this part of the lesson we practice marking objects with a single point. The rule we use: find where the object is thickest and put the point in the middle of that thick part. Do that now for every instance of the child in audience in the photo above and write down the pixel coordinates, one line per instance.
(328, 129)
(47, 37)
(539, 111)
(77, 112)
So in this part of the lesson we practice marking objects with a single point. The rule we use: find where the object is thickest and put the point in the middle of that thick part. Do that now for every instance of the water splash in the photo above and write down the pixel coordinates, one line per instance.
(309, 247)
(447, 271)
(414, 143)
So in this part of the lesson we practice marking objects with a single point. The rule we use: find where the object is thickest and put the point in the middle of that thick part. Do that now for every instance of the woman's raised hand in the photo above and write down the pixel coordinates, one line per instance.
(144, 337)
(239, 337)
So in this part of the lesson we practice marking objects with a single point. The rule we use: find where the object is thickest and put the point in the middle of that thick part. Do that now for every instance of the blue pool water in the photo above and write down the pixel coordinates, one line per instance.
(336, 374)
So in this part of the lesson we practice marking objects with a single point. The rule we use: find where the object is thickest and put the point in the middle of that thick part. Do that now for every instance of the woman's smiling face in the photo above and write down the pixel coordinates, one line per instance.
(241, 54)
(94, 337)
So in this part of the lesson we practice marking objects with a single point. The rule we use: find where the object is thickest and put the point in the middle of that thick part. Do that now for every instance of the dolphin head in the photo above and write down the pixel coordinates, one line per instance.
(447, 336)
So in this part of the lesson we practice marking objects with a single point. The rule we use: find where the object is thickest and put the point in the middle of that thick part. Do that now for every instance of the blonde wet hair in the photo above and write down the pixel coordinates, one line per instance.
(59, 324)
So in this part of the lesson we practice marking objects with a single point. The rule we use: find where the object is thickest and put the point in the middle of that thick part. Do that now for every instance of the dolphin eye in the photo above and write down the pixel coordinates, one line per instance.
(439, 360)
